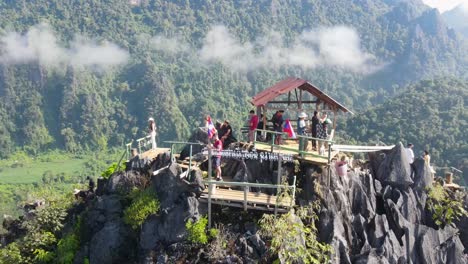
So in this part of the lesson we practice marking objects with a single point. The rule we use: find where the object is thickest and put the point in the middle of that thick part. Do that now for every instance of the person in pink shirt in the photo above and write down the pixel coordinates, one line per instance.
(216, 158)
(253, 123)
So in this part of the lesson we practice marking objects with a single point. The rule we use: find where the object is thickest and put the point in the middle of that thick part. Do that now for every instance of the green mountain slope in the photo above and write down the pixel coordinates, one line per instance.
(430, 114)
(65, 89)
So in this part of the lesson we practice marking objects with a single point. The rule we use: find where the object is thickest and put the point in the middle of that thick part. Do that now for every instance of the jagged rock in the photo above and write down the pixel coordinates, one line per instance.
(394, 169)
(258, 244)
(422, 177)
(462, 225)
(169, 226)
(199, 135)
(196, 182)
(104, 209)
(82, 254)
(125, 181)
(138, 164)
(112, 244)
(178, 204)
(161, 161)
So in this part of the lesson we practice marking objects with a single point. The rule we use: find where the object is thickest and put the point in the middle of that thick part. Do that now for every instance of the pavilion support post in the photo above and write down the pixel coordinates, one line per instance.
(299, 102)
(329, 163)
(245, 198)
(278, 183)
(209, 184)
(335, 113)
(190, 161)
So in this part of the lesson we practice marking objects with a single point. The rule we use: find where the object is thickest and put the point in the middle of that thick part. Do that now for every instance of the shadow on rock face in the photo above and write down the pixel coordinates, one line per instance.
(178, 204)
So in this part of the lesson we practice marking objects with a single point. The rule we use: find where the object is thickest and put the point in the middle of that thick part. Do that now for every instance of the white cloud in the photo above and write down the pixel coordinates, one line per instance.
(170, 45)
(445, 5)
(329, 46)
(39, 44)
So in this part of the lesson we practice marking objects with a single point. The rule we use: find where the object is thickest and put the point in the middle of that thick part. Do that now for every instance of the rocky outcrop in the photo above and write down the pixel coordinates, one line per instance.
(178, 204)
(383, 219)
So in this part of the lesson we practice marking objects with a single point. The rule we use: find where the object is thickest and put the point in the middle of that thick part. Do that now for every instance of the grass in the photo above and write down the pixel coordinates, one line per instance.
(32, 171)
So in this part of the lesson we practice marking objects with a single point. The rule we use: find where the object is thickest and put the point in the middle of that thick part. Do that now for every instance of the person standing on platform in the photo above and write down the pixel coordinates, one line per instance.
(315, 121)
(277, 120)
(216, 158)
(253, 123)
(152, 132)
(301, 124)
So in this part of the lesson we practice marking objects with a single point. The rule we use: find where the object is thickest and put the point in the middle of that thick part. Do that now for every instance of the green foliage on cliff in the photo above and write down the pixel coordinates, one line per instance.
(197, 230)
(445, 206)
(144, 203)
(294, 237)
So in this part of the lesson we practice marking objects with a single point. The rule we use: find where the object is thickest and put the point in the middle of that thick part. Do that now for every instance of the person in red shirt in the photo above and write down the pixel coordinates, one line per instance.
(253, 123)
(216, 158)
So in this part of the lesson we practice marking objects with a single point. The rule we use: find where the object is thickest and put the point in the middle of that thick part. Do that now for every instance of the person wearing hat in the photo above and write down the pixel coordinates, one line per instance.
(152, 132)
(301, 123)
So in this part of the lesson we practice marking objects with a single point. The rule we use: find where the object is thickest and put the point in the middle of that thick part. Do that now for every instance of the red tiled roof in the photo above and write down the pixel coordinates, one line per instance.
(290, 84)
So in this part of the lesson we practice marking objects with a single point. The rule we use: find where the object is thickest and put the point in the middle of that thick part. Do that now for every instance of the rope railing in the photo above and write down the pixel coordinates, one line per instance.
(300, 149)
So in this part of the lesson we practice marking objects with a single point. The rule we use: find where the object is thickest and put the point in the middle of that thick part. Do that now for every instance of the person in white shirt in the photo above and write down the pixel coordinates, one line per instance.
(152, 132)
(410, 157)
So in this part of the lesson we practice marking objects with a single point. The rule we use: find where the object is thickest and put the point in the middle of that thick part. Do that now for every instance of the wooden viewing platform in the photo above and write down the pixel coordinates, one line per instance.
(153, 153)
(255, 200)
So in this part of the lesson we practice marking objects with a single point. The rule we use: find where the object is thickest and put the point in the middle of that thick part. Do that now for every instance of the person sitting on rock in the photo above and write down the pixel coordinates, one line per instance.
(410, 158)
(91, 184)
(341, 166)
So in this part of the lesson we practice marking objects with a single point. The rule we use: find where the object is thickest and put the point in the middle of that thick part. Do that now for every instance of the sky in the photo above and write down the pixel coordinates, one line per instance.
(445, 5)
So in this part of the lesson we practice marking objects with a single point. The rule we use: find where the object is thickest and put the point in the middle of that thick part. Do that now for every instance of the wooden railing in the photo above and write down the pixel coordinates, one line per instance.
(247, 185)
(172, 143)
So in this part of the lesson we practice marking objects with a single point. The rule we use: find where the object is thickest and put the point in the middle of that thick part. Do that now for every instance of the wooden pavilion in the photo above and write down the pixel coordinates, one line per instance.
(296, 94)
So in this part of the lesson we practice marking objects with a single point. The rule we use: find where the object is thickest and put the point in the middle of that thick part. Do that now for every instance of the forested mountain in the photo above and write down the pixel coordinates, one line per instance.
(430, 114)
(82, 75)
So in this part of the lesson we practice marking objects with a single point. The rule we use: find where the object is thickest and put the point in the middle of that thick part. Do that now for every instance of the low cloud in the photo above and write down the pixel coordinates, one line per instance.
(40, 45)
(324, 47)
(169, 45)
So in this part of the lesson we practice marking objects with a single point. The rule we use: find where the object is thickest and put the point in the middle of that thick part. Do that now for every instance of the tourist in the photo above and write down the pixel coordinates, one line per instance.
(277, 120)
(91, 184)
(134, 152)
(410, 158)
(315, 121)
(322, 132)
(216, 158)
(226, 134)
(260, 126)
(342, 166)
(152, 132)
(253, 123)
(427, 160)
(301, 124)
